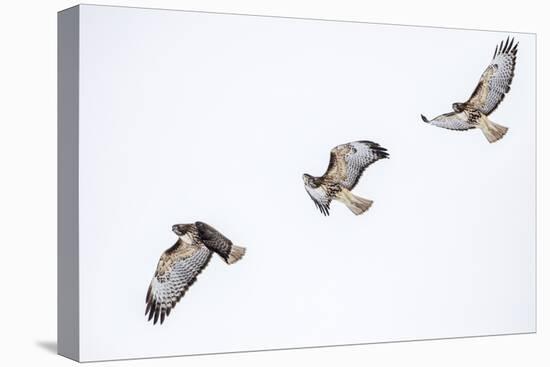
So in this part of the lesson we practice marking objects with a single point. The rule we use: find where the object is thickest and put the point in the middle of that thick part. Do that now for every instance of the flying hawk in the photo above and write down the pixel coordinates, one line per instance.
(489, 92)
(347, 164)
(180, 265)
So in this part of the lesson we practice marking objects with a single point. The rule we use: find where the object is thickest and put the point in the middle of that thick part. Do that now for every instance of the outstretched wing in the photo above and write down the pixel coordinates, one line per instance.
(320, 198)
(177, 270)
(218, 243)
(451, 121)
(349, 161)
(496, 79)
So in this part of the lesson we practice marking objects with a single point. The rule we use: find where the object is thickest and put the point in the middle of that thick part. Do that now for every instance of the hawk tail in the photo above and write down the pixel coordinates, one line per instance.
(235, 254)
(491, 130)
(356, 204)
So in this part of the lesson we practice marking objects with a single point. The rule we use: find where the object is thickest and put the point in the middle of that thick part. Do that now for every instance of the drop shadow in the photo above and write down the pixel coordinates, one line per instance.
(50, 346)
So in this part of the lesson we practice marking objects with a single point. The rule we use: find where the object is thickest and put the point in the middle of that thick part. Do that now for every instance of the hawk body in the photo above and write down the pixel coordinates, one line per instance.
(179, 266)
(488, 94)
(346, 166)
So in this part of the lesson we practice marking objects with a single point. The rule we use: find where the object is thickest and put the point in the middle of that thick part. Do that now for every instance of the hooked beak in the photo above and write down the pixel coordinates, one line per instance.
(176, 230)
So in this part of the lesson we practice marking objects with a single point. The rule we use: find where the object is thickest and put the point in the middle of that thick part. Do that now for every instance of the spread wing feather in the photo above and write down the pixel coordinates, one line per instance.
(349, 161)
(337, 164)
(451, 121)
(496, 79)
(320, 198)
(177, 270)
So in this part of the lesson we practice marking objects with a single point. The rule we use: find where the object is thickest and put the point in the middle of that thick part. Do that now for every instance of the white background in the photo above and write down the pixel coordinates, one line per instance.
(187, 116)
(28, 154)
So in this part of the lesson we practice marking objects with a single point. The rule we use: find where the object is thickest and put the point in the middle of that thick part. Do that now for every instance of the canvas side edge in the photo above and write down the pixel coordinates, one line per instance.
(68, 341)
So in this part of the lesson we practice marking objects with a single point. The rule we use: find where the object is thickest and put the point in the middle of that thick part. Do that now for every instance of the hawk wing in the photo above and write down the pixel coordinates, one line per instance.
(177, 270)
(451, 121)
(496, 79)
(320, 198)
(349, 161)
(217, 242)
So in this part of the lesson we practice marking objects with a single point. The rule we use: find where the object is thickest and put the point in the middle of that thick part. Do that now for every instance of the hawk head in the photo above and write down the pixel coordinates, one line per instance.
(458, 107)
(309, 180)
(181, 229)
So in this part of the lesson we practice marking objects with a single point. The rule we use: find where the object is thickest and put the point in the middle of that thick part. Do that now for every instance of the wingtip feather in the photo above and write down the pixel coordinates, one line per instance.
(156, 319)
(380, 151)
(509, 46)
(151, 311)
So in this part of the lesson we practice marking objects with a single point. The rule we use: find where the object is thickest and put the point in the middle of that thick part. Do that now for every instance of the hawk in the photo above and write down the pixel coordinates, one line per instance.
(347, 164)
(180, 265)
(489, 92)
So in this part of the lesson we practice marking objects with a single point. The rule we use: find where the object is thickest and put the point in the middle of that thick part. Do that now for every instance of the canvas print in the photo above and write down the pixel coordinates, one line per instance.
(203, 123)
